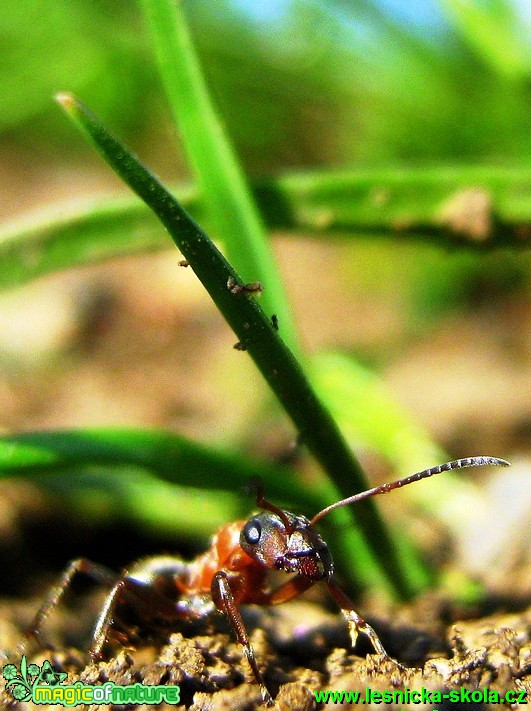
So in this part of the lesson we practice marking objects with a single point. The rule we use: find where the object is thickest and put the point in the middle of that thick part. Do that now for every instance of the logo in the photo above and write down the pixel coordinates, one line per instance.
(44, 685)
(20, 684)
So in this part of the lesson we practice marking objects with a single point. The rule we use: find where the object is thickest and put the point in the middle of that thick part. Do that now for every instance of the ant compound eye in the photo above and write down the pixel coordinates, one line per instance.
(263, 538)
(252, 532)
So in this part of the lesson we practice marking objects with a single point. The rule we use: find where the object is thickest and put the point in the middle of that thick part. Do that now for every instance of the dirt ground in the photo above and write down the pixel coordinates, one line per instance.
(443, 652)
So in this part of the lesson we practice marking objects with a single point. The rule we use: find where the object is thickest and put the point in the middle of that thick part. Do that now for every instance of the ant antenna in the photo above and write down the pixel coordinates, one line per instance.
(385, 488)
(257, 484)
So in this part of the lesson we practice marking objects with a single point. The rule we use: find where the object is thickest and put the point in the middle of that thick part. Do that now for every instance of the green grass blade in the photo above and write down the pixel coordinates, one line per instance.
(102, 495)
(129, 472)
(496, 32)
(375, 557)
(222, 183)
(403, 204)
(75, 234)
(363, 406)
(169, 456)
(469, 206)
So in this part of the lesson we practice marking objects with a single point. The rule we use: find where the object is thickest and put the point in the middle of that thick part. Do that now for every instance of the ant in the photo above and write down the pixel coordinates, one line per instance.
(163, 589)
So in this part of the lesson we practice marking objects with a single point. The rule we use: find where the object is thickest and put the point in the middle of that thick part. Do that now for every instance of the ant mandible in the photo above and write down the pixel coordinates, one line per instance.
(163, 589)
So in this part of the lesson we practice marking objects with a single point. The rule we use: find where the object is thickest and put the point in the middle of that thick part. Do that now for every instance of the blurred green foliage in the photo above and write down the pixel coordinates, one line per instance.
(95, 47)
(299, 83)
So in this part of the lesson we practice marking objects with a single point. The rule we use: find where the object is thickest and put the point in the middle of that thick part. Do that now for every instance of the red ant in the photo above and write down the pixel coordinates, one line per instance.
(164, 589)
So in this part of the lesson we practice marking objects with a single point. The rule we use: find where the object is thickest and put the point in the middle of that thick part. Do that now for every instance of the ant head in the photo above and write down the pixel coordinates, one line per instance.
(281, 541)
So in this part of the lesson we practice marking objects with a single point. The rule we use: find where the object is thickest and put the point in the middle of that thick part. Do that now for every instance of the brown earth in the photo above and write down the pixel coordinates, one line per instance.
(442, 653)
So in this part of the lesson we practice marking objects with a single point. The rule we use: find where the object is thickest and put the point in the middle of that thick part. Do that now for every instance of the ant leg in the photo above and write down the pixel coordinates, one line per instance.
(356, 624)
(80, 565)
(151, 607)
(106, 620)
(224, 601)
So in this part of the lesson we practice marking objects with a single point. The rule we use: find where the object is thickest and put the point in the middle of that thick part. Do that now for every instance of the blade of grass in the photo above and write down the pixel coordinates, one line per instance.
(420, 203)
(396, 203)
(363, 406)
(496, 32)
(366, 412)
(109, 493)
(375, 558)
(222, 183)
(128, 472)
(168, 456)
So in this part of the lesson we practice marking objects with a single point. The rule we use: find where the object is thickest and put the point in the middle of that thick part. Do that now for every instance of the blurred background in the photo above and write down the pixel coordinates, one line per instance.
(300, 85)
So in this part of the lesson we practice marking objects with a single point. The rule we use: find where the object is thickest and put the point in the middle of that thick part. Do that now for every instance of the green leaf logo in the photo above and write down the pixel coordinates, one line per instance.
(49, 675)
(19, 684)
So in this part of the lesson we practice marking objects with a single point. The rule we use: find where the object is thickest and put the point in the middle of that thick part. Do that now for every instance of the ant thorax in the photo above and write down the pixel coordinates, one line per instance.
(293, 548)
